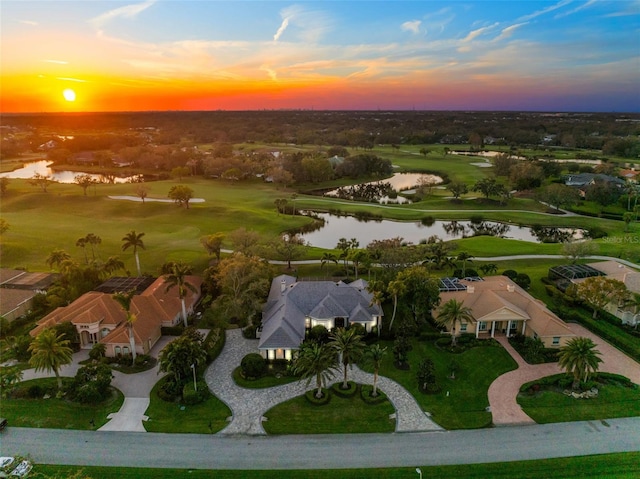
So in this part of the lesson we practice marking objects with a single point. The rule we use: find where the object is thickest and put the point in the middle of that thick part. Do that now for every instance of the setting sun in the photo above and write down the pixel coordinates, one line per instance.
(69, 94)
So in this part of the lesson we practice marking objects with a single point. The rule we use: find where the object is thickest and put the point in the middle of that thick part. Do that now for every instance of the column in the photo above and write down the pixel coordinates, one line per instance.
(508, 328)
(477, 328)
(493, 328)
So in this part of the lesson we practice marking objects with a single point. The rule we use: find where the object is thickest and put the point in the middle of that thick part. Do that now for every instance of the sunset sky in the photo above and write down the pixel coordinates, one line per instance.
(561, 55)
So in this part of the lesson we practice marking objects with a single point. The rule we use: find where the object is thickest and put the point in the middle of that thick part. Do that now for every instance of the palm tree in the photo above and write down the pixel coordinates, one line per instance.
(349, 346)
(93, 240)
(124, 300)
(580, 358)
(451, 312)
(464, 257)
(82, 243)
(327, 258)
(376, 288)
(57, 257)
(49, 351)
(374, 356)
(177, 277)
(316, 360)
(112, 265)
(395, 288)
(489, 268)
(133, 240)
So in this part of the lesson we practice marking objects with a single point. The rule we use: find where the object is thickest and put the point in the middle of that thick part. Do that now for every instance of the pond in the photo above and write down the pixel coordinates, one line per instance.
(42, 167)
(365, 231)
(385, 191)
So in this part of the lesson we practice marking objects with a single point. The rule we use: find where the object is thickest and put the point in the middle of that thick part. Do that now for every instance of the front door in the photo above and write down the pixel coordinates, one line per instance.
(339, 322)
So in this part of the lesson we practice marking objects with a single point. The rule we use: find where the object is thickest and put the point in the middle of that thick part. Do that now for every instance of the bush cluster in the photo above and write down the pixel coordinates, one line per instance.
(366, 391)
(190, 396)
(253, 366)
(311, 397)
(344, 393)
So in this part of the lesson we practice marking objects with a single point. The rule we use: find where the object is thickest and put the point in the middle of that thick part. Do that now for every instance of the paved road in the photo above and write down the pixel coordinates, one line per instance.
(130, 449)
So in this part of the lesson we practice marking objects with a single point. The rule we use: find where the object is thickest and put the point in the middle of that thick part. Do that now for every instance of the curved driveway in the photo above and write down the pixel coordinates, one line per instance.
(504, 390)
(249, 405)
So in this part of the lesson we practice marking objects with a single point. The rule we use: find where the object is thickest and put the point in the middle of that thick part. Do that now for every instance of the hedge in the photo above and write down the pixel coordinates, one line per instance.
(311, 397)
(365, 393)
(345, 393)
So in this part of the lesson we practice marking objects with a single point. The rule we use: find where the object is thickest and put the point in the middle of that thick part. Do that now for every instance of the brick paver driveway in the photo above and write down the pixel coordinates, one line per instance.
(503, 391)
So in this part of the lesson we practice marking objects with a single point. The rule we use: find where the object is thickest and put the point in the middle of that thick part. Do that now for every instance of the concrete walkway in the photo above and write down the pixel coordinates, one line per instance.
(504, 390)
(248, 406)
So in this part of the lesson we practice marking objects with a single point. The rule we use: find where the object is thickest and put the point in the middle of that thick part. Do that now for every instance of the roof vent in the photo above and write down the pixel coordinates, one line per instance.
(511, 288)
(471, 289)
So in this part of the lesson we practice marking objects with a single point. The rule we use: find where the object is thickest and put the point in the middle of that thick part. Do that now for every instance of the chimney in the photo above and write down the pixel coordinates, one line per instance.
(511, 288)
(471, 289)
(283, 286)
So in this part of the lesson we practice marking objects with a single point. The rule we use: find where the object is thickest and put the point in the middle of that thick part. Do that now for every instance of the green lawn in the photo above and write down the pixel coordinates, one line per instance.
(619, 466)
(58, 413)
(339, 416)
(548, 406)
(462, 402)
(172, 417)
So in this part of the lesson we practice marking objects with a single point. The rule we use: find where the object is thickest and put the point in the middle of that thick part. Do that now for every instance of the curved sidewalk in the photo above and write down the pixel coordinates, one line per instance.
(504, 390)
(248, 406)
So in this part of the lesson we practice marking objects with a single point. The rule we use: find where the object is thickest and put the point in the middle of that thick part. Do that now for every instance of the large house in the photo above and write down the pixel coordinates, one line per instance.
(293, 307)
(626, 311)
(99, 318)
(501, 307)
(18, 289)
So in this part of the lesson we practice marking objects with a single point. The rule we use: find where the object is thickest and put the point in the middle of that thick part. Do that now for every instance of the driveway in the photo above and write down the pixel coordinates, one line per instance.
(503, 391)
(248, 406)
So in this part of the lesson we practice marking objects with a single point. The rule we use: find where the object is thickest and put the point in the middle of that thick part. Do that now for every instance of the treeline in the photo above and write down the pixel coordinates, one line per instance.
(614, 134)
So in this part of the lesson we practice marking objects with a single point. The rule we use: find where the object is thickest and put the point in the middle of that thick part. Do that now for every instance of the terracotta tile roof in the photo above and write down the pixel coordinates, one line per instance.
(498, 296)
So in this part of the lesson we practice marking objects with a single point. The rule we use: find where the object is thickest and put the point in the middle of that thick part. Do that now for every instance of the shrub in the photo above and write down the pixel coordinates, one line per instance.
(444, 342)
(250, 332)
(426, 376)
(366, 391)
(253, 366)
(98, 351)
(311, 397)
(35, 391)
(511, 274)
(91, 384)
(523, 280)
(172, 330)
(190, 396)
(319, 334)
(142, 359)
(345, 393)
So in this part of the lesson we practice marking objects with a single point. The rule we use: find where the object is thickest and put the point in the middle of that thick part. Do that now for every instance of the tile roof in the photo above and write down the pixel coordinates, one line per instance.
(290, 302)
(499, 296)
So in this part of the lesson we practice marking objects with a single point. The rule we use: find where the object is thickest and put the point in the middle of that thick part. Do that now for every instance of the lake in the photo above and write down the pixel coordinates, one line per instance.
(42, 167)
(365, 231)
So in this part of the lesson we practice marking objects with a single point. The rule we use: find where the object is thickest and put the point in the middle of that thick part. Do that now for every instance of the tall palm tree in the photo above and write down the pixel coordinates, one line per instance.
(49, 352)
(93, 240)
(133, 240)
(177, 278)
(396, 289)
(349, 346)
(580, 358)
(316, 360)
(57, 257)
(124, 300)
(82, 243)
(112, 265)
(327, 258)
(376, 288)
(451, 312)
(464, 257)
(374, 356)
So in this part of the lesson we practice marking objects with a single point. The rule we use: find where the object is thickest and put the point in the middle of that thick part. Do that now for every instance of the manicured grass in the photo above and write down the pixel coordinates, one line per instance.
(340, 416)
(548, 406)
(462, 402)
(619, 466)
(58, 413)
(176, 418)
(264, 382)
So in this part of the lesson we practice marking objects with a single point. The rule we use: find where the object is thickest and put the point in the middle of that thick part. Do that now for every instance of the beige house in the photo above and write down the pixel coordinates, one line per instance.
(99, 318)
(631, 279)
(502, 308)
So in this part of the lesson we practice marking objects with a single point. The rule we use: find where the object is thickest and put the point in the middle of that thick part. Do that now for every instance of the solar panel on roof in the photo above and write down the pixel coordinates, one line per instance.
(451, 284)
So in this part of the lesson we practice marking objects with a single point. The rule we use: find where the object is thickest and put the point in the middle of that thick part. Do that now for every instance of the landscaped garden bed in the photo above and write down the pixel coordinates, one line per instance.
(340, 415)
(547, 400)
(27, 407)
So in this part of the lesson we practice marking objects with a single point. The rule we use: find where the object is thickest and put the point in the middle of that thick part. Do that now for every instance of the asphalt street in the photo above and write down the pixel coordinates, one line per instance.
(322, 451)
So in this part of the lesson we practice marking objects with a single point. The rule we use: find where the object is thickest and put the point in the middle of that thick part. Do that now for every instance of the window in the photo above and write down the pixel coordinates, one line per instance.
(482, 326)
(556, 341)
(125, 350)
(463, 327)
(118, 350)
(514, 325)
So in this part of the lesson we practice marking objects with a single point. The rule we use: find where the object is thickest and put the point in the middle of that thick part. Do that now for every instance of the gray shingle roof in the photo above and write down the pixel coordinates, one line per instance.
(290, 302)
